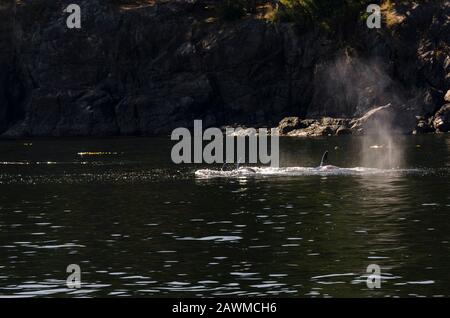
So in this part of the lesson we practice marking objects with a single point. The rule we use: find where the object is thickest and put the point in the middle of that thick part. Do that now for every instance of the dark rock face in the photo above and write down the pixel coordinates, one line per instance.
(147, 70)
(441, 121)
(12, 90)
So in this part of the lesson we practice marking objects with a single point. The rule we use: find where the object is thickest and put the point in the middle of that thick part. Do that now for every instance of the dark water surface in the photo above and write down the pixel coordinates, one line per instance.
(140, 226)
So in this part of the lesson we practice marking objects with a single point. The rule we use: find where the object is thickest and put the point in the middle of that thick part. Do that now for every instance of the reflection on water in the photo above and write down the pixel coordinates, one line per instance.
(139, 226)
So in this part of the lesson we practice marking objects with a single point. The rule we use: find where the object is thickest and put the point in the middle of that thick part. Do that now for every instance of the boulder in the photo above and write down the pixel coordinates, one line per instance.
(289, 124)
(447, 96)
(314, 130)
(424, 126)
(343, 130)
(441, 121)
(314, 127)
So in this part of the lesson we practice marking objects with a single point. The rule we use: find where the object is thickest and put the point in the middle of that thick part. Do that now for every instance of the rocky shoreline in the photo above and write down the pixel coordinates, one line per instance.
(384, 117)
(145, 70)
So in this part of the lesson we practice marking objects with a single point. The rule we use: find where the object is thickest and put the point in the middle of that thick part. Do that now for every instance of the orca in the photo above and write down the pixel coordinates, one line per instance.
(323, 165)
(246, 170)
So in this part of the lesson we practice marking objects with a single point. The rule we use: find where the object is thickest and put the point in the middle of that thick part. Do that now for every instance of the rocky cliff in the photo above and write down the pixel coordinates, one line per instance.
(148, 68)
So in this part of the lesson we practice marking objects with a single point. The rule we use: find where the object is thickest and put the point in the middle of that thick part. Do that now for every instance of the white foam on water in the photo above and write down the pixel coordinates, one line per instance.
(294, 171)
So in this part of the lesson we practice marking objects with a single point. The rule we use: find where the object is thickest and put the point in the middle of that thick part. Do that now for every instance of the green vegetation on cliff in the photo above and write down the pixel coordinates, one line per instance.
(324, 12)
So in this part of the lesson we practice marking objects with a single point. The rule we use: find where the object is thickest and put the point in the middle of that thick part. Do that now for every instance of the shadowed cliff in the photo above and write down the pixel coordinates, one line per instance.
(146, 67)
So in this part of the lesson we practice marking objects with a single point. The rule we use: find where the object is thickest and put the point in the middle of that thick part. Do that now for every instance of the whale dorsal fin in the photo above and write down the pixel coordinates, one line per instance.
(324, 158)
(237, 164)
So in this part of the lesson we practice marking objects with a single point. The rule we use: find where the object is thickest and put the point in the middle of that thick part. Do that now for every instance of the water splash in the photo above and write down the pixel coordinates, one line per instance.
(381, 144)
(296, 171)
